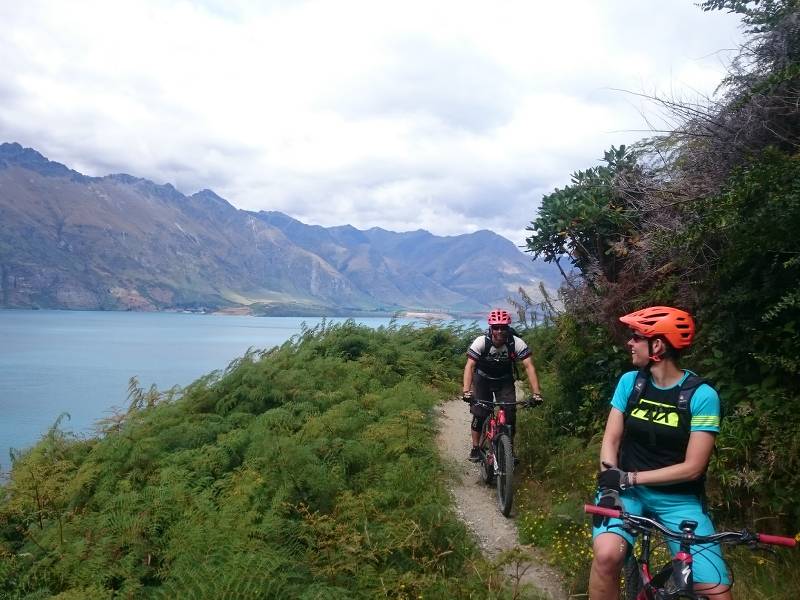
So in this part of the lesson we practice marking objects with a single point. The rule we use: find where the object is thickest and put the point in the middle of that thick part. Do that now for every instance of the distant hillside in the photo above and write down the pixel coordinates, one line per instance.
(123, 243)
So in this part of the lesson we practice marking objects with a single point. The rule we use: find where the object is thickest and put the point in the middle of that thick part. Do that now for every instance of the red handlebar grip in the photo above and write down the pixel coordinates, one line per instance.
(601, 510)
(777, 540)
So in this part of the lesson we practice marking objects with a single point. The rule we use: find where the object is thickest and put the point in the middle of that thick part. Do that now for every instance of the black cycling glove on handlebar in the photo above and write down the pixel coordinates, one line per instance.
(608, 499)
(611, 482)
(467, 397)
(534, 400)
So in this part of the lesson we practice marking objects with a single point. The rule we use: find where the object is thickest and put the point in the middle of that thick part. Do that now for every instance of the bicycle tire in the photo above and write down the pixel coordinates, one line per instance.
(485, 466)
(505, 474)
(632, 579)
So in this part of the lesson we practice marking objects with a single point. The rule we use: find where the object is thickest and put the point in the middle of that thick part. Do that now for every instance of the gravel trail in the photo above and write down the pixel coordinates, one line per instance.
(477, 504)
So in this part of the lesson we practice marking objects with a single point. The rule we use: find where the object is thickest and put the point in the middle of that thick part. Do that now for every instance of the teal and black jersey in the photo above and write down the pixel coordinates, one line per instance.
(656, 432)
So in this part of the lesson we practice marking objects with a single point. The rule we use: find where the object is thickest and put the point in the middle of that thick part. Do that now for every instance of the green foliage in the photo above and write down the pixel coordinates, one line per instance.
(740, 246)
(713, 229)
(752, 227)
(559, 477)
(760, 15)
(583, 220)
(750, 338)
(578, 366)
(308, 471)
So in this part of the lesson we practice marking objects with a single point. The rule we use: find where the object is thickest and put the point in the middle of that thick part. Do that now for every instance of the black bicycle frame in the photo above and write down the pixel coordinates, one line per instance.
(673, 580)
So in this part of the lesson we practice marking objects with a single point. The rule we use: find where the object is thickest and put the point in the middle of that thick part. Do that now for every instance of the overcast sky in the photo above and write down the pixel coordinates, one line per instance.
(447, 116)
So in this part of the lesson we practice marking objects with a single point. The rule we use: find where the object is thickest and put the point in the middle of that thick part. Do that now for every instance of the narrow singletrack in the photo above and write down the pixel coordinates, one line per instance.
(477, 504)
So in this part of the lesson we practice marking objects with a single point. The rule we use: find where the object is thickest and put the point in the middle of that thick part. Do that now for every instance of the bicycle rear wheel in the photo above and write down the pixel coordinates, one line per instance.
(486, 466)
(505, 474)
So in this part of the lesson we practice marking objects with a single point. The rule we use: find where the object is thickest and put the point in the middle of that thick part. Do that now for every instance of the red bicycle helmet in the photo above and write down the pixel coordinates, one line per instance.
(499, 316)
(676, 325)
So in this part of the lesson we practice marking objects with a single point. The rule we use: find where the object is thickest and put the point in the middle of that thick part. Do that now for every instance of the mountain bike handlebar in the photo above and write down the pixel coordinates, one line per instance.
(491, 404)
(727, 537)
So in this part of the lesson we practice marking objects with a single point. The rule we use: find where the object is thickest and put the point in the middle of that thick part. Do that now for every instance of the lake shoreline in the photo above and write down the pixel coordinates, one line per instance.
(282, 311)
(80, 362)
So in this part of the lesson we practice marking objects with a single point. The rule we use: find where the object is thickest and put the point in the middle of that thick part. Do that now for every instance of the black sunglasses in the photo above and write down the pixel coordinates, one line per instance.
(499, 327)
(638, 336)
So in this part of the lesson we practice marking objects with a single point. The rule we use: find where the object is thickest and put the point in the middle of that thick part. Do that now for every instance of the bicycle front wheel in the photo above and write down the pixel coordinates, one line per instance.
(632, 579)
(505, 474)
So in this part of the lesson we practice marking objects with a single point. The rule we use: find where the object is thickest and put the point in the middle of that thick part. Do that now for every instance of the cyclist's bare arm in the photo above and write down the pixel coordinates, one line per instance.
(469, 371)
(612, 438)
(530, 371)
(698, 453)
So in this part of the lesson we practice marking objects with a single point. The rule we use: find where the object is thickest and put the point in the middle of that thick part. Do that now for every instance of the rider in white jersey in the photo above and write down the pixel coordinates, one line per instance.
(490, 367)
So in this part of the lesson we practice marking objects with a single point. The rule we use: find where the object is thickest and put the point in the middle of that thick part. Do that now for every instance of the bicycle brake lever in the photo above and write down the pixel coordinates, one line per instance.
(764, 548)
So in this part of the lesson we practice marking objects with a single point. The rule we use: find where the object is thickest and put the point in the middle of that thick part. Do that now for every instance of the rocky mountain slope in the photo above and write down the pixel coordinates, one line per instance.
(123, 243)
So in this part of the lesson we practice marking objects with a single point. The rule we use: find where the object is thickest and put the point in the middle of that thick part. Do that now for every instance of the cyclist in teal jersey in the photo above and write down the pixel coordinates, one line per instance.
(659, 437)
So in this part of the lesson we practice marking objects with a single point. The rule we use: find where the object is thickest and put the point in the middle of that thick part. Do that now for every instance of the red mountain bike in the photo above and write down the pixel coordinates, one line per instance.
(497, 456)
(674, 580)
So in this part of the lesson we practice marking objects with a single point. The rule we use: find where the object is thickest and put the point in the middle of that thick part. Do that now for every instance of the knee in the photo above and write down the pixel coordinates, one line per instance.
(608, 556)
(716, 591)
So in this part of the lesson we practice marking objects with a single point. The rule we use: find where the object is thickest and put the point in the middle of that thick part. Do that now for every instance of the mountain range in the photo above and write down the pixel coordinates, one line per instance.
(120, 242)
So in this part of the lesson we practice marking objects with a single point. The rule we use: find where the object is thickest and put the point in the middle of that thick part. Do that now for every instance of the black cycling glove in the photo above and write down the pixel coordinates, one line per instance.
(467, 397)
(608, 499)
(613, 479)
(534, 400)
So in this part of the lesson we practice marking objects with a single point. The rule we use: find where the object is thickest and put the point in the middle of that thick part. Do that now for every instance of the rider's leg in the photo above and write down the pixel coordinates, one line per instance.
(475, 429)
(708, 567)
(610, 550)
(611, 545)
(480, 392)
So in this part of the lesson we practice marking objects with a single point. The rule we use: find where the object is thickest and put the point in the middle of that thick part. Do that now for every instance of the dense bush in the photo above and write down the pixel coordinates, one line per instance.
(704, 218)
(709, 223)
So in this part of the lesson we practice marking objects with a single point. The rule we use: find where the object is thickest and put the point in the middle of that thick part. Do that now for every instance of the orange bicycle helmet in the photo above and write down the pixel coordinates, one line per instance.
(499, 317)
(676, 325)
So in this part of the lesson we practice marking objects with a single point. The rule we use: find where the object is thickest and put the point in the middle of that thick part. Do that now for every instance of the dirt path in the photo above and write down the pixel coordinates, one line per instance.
(477, 505)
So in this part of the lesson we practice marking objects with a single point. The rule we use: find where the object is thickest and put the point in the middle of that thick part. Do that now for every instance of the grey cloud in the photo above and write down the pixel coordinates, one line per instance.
(454, 84)
(444, 97)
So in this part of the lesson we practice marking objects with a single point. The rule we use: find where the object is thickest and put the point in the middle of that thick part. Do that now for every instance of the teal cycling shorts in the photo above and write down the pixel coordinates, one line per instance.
(670, 510)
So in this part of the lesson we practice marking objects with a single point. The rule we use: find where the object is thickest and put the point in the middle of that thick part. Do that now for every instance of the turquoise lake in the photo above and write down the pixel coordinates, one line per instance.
(52, 362)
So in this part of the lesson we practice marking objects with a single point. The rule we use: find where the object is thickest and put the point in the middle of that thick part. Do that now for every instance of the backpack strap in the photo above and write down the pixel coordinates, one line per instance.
(512, 352)
(638, 388)
(688, 388)
(487, 343)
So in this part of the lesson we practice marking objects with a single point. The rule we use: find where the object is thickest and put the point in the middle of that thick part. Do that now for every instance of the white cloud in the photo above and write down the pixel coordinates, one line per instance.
(399, 115)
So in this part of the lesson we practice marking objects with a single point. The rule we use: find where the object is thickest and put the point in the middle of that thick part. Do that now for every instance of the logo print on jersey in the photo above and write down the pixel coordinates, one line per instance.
(663, 414)
(498, 354)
